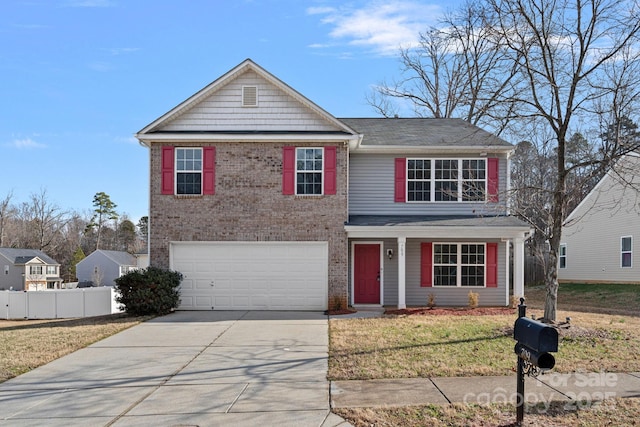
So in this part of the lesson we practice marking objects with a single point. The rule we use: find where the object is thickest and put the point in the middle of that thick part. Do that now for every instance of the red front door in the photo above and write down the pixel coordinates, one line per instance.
(366, 274)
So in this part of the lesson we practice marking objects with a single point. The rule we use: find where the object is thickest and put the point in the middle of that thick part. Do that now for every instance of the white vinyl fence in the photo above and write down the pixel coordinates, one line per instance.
(58, 304)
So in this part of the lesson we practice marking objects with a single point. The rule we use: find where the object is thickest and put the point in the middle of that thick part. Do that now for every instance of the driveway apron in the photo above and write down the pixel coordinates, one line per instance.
(196, 368)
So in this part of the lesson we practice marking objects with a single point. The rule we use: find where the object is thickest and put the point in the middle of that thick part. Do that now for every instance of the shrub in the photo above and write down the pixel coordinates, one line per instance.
(473, 299)
(431, 302)
(150, 291)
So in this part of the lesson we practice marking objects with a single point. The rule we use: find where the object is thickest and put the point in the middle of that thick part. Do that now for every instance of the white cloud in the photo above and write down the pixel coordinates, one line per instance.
(122, 50)
(25, 144)
(380, 26)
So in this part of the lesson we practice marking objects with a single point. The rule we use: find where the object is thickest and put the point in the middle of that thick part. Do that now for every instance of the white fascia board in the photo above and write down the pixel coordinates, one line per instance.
(147, 140)
(383, 149)
(423, 232)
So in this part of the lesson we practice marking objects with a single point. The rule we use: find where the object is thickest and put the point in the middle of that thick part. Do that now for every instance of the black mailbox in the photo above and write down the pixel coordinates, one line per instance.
(535, 335)
(535, 341)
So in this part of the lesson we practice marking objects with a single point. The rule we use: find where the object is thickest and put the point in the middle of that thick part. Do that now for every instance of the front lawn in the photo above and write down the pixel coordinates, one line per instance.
(428, 345)
(590, 297)
(446, 345)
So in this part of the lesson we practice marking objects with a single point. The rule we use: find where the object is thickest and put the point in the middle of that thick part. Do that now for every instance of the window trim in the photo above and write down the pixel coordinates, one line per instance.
(562, 256)
(176, 171)
(623, 252)
(459, 180)
(321, 172)
(459, 265)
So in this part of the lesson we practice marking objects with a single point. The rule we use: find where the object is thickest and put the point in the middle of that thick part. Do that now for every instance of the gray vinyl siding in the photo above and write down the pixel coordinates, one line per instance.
(371, 190)
(416, 295)
(275, 111)
(594, 231)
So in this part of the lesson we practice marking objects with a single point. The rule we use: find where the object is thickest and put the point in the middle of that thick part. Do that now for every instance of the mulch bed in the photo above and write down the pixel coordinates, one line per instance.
(453, 311)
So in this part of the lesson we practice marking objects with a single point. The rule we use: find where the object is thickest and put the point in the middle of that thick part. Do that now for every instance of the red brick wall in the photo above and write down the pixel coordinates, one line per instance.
(248, 205)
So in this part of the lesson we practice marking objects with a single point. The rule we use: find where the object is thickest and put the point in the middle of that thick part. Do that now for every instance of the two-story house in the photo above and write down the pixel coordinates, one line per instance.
(263, 200)
(102, 267)
(28, 270)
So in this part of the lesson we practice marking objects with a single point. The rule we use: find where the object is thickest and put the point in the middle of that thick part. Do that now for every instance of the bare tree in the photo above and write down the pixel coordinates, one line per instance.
(458, 71)
(7, 212)
(42, 222)
(572, 57)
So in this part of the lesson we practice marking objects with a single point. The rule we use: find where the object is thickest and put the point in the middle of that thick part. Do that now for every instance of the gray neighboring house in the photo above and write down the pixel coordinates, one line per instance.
(600, 238)
(28, 270)
(102, 267)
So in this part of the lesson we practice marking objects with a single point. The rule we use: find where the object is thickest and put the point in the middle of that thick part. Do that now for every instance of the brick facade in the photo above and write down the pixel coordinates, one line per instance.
(248, 205)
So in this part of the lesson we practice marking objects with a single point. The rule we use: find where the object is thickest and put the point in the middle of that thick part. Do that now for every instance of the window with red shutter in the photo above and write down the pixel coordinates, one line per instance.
(400, 187)
(426, 266)
(330, 161)
(208, 170)
(288, 170)
(167, 170)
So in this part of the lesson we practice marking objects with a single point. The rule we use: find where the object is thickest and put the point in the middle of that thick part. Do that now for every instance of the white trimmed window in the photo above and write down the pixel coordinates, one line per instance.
(459, 264)
(446, 180)
(626, 251)
(309, 171)
(52, 269)
(188, 170)
(562, 256)
(35, 269)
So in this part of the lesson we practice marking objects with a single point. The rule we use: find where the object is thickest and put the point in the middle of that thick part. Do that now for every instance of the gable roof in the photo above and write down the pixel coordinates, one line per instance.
(621, 176)
(440, 134)
(154, 129)
(118, 257)
(22, 256)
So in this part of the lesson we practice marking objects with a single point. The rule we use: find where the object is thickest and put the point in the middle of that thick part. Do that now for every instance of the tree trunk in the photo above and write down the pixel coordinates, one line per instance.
(551, 282)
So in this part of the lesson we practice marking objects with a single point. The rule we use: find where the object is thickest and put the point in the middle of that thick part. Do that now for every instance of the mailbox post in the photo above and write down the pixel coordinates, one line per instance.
(535, 343)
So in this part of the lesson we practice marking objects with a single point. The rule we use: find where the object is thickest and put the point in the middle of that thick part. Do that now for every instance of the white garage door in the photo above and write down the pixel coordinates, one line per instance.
(252, 275)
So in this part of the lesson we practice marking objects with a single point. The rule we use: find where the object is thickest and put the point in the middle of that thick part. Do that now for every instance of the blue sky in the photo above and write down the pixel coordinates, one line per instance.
(79, 77)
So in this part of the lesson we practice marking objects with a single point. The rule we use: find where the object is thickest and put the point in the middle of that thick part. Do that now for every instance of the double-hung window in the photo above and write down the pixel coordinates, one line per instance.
(188, 171)
(458, 264)
(52, 269)
(446, 180)
(35, 269)
(626, 251)
(562, 259)
(309, 169)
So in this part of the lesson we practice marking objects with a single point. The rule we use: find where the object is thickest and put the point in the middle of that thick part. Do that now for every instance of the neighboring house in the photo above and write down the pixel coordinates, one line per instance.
(102, 267)
(601, 237)
(142, 260)
(263, 200)
(28, 270)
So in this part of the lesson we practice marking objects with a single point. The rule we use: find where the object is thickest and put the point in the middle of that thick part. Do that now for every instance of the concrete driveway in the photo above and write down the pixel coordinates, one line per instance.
(189, 369)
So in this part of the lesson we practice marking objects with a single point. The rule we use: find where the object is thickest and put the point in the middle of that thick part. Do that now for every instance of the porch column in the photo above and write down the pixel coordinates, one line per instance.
(518, 267)
(402, 242)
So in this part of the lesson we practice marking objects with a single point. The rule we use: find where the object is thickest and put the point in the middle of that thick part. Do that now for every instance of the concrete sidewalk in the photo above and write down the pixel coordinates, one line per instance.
(576, 389)
(187, 368)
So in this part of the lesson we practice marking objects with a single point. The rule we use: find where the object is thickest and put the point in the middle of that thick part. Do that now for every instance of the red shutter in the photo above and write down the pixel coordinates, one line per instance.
(492, 179)
(330, 170)
(492, 265)
(400, 180)
(288, 170)
(167, 170)
(426, 270)
(209, 170)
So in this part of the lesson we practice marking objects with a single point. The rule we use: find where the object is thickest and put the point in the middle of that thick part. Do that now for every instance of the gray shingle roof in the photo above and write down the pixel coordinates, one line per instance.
(21, 256)
(422, 132)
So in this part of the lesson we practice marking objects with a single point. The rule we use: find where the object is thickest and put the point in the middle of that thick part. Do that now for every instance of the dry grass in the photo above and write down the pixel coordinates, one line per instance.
(436, 346)
(614, 412)
(602, 337)
(27, 344)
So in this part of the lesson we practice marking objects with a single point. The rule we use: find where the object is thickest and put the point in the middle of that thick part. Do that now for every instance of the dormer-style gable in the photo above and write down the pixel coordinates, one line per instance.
(245, 103)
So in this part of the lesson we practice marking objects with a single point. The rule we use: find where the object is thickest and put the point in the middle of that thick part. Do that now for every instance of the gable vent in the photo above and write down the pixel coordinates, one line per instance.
(249, 96)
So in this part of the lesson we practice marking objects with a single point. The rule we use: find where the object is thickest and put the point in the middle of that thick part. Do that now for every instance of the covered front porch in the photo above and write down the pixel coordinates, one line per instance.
(408, 260)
